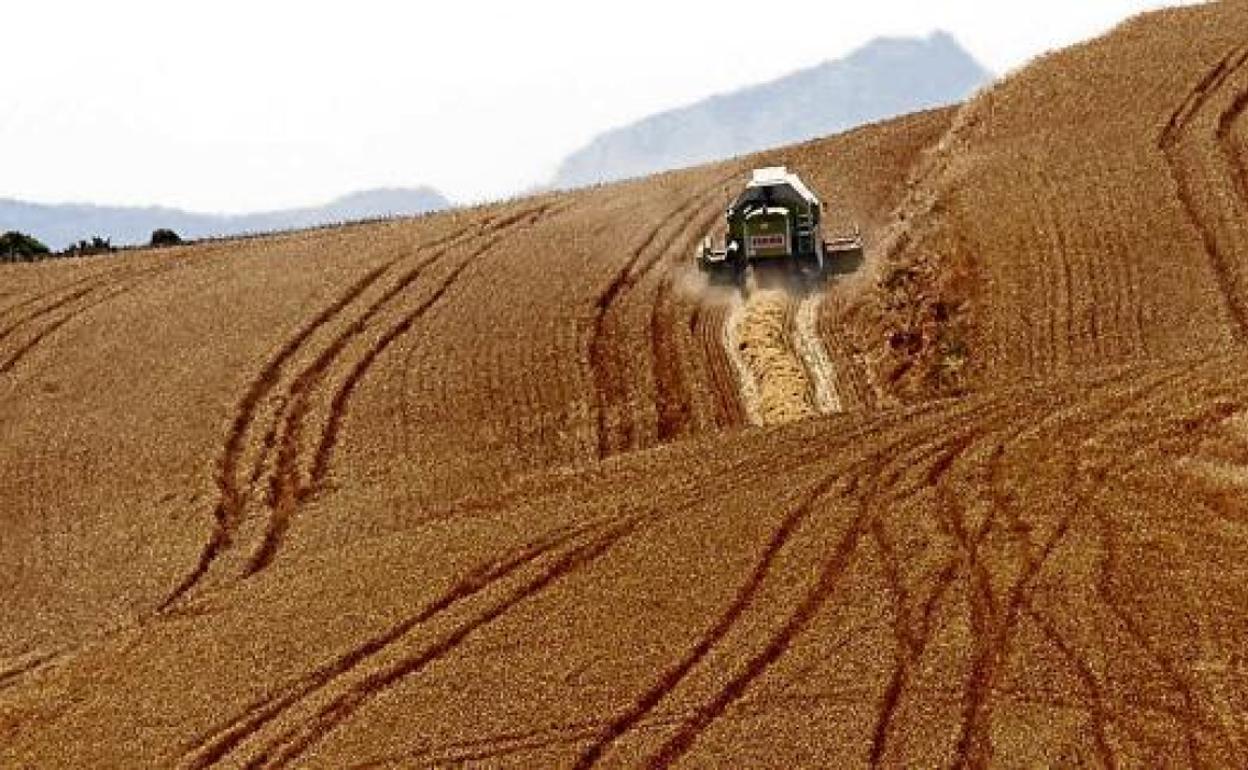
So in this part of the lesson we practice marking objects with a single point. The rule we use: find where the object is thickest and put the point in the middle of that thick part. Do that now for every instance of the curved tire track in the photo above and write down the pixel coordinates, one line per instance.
(292, 744)
(282, 452)
(1223, 252)
(613, 377)
(47, 320)
(214, 747)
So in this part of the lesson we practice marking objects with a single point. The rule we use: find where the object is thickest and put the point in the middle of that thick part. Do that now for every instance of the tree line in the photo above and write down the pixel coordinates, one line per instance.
(20, 247)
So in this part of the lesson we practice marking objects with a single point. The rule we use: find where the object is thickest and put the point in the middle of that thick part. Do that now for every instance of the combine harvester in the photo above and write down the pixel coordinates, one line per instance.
(777, 220)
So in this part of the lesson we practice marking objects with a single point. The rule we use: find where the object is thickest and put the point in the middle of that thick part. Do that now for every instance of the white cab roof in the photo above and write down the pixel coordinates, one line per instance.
(777, 175)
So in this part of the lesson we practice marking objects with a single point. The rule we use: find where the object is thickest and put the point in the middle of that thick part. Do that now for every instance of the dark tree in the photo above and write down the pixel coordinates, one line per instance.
(91, 248)
(19, 247)
(165, 237)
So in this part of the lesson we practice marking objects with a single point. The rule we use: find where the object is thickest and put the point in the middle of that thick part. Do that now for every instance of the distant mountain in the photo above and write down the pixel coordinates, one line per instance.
(63, 224)
(886, 78)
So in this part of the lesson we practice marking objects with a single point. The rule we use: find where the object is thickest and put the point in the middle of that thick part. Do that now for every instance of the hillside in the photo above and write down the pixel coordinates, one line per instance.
(60, 225)
(883, 79)
(505, 487)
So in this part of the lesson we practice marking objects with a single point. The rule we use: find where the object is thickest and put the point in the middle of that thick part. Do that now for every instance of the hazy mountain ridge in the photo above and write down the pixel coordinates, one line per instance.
(883, 79)
(59, 225)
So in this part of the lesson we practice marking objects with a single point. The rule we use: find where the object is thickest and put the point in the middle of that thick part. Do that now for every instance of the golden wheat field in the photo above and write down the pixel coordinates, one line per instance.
(507, 487)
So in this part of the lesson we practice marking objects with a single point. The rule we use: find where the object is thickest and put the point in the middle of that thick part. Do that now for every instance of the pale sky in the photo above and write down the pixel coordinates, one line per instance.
(243, 105)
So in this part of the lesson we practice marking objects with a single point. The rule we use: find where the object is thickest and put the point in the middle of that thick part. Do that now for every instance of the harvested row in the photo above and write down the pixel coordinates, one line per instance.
(745, 382)
(781, 386)
(808, 341)
(776, 347)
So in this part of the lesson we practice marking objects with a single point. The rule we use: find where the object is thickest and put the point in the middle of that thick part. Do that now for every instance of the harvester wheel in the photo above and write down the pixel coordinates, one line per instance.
(843, 259)
(721, 273)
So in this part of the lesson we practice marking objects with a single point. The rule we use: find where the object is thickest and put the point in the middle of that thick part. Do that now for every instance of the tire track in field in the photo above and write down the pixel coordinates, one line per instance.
(288, 489)
(13, 327)
(439, 248)
(26, 665)
(674, 404)
(281, 454)
(228, 511)
(995, 626)
(710, 328)
(1096, 696)
(435, 250)
(229, 508)
(1221, 251)
(916, 610)
(993, 631)
(1233, 151)
(226, 738)
(40, 296)
(20, 352)
(611, 373)
(604, 353)
(339, 402)
(852, 383)
(75, 304)
(676, 357)
(673, 676)
(642, 708)
(292, 744)
(68, 293)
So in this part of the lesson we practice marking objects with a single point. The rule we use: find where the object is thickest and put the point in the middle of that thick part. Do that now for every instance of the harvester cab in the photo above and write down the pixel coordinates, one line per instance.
(777, 220)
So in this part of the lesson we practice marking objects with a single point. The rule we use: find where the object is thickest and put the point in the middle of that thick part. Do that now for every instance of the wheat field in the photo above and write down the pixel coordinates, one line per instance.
(506, 487)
